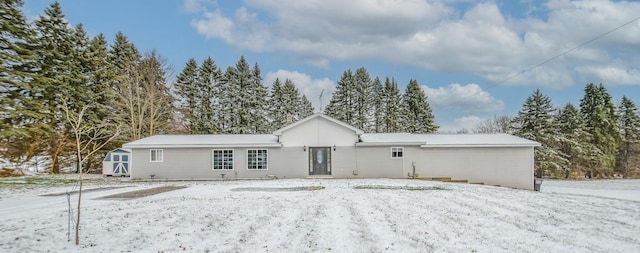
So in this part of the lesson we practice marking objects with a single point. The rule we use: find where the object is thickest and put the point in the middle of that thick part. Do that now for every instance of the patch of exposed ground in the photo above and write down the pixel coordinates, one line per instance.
(83, 190)
(394, 187)
(278, 189)
(145, 192)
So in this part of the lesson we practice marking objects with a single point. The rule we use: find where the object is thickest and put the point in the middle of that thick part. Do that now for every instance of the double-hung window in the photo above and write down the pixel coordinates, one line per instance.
(257, 159)
(156, 155)
(397, 152)
(223, 159)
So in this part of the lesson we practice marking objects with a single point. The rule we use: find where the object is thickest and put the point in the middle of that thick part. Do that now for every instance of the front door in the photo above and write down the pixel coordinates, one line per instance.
(319, 161)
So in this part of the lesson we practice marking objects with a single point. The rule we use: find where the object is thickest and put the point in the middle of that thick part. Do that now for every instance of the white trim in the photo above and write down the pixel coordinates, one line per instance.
(510, 145)
(401, 152)
(161, 155)
(214, 146)
(233, 159)
(267, 158)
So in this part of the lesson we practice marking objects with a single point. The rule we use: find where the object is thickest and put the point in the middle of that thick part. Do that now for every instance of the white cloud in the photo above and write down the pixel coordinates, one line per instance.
(469, 97)
(312, 88)
(433, 35)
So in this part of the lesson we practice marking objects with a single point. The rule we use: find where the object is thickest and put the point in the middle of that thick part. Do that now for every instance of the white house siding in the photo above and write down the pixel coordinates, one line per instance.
(318, 132)
(376, 162)
(188, 163)
(508, 166)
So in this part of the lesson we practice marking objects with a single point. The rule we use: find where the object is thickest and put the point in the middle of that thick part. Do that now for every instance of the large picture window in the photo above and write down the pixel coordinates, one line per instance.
(397, 152)
(156, 155)
(223, 159)
(257, 159)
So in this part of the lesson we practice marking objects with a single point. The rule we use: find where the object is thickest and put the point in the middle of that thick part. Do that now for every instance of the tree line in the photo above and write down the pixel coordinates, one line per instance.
(50, 70)
(596, 139)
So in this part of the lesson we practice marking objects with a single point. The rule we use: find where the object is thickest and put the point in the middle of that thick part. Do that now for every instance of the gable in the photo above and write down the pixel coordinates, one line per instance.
(318, 130)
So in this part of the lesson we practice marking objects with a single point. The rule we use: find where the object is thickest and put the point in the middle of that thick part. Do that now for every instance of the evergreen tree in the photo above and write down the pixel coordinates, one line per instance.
(575, 141)
(258, 95)
(287, 105)
(341, 105)
(535, 122)
(362, 98)
(394, 113)
(419, 117)
(277, 114)
(186, 91)
(629, 123)
(377, 107)
(59, 68)
(206, 97)
(601, 123)
(306, 108)
(22, 127)
(243, 100)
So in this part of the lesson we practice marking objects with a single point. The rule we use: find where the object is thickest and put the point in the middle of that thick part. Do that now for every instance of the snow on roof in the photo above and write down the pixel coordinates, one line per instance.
(299, 122)
(445, 140)
(210, 140)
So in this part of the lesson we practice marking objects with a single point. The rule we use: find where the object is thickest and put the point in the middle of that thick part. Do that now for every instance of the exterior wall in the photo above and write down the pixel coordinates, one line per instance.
(187, 163)
(510, 167)
(376, 162)
(318, 132)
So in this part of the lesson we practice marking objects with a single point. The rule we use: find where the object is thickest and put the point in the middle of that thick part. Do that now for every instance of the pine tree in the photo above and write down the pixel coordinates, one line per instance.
(601, 123)
(277, 116)
(341, 105)
(377, 107)
(629, 123)
(258, 94)
(535, 122)
(394, 114)
(575, 141)
(22, 127)
(243, 100)
(186, 91)
(362, 98)
(306, 108)
(419, 117)
(206, 97)
(58, 67)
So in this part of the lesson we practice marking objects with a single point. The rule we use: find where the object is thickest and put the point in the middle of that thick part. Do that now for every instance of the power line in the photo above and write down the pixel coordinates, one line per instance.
(564, 53)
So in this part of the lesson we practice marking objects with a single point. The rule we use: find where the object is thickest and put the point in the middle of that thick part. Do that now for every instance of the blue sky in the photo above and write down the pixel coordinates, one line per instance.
(460, 51)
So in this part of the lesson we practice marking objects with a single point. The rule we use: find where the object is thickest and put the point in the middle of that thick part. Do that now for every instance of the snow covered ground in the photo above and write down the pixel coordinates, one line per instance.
(260, 216)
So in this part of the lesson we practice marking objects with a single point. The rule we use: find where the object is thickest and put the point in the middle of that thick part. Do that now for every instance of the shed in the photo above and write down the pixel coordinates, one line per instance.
(117, 162)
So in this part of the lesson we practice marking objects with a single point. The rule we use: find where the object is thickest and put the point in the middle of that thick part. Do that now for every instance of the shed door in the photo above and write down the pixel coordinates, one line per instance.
(319, 161)
(120, 164)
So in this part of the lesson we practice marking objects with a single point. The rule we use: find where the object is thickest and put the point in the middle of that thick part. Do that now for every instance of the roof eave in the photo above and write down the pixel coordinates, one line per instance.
(243, 145)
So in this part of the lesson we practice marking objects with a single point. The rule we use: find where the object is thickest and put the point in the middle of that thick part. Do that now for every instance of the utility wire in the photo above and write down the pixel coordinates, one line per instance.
(565, 52)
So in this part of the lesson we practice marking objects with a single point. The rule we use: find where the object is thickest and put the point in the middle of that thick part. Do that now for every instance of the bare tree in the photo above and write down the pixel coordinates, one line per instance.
(144, 97)
(90, 137)
(499, 124)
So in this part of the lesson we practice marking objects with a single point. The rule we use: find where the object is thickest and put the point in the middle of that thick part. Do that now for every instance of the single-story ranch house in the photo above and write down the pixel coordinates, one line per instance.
(320, 146)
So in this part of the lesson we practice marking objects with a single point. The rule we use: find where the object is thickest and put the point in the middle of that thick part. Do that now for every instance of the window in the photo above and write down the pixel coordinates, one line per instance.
(257, 159)
(397, 152)
(156, 155)
(223, 159)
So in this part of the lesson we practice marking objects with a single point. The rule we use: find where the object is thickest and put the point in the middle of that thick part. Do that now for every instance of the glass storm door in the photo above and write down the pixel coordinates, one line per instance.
(319, 161)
